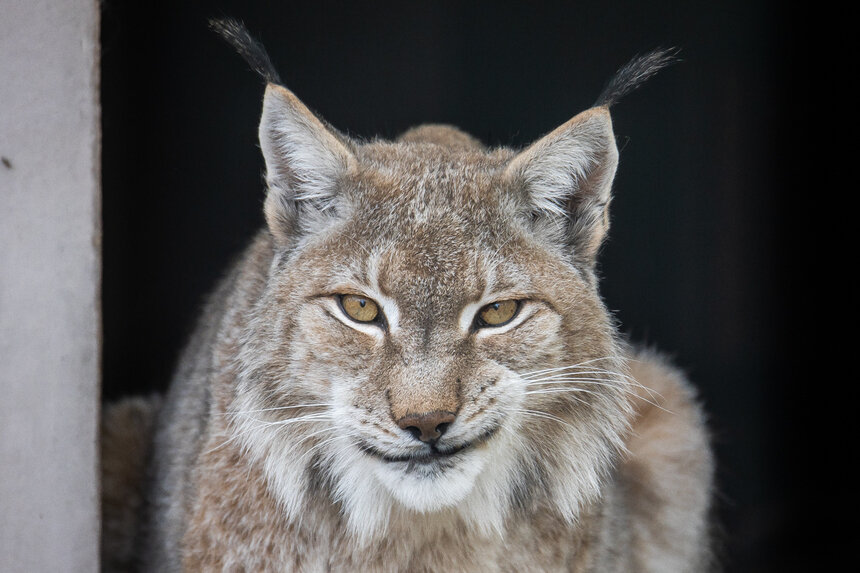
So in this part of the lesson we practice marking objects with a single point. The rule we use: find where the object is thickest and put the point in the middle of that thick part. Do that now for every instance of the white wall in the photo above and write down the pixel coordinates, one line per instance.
(49, 285)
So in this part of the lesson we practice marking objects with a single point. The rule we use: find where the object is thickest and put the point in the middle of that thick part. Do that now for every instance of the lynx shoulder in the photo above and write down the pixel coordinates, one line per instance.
(411, 369)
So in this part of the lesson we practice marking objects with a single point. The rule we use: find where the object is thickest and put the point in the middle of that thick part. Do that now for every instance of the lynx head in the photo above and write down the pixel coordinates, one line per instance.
(430, 341)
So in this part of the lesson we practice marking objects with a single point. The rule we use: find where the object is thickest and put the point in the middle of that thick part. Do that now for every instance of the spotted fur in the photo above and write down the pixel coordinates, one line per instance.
(281, 445)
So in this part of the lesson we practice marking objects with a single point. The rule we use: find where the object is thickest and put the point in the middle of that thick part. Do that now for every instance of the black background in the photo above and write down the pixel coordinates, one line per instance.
(704, 258)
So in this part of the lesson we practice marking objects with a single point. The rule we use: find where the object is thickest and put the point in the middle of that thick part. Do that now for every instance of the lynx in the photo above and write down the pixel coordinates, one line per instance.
(411, 369)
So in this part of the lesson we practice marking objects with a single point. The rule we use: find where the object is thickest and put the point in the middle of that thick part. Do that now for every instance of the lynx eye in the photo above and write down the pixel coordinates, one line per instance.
(359, 308)
(498, 313)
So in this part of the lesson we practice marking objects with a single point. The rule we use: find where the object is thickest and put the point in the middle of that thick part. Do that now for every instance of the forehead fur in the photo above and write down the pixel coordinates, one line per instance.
(432, 216)
(444, 208)
(425, 180)
(422, 207)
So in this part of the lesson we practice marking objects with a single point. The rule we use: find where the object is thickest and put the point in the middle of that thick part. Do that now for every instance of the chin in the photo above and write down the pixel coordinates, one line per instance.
(471, 486)
(431, 485)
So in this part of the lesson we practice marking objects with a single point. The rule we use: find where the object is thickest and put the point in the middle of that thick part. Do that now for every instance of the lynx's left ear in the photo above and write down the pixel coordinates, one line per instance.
(566, 177)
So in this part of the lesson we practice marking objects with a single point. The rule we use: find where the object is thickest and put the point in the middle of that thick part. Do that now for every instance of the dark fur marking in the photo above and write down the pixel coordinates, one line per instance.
(248, 47)
(634, 73)
(382, 429)
(475, 414)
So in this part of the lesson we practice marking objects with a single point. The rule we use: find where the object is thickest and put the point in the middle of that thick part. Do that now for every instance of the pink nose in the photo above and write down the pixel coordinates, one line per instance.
(427, 427)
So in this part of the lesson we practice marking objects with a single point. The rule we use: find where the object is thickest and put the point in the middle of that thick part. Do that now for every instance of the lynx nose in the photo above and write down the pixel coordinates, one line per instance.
(427, 427)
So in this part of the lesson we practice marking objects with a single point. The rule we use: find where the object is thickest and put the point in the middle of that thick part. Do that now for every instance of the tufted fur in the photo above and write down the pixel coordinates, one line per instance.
(281, 445)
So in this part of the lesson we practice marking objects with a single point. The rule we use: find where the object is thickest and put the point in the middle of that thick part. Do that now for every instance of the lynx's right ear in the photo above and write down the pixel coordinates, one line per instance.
(305, 162)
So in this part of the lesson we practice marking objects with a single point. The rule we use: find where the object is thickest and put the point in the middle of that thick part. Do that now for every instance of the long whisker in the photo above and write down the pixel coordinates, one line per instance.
(608, 375)
(577, 376)
(310, 418)
(556, 390)
(316, 447)
(620, 377)
(288, 421)
(561, 371)
(577, 365)
(567, 385)
(293, 407)
(545, 415)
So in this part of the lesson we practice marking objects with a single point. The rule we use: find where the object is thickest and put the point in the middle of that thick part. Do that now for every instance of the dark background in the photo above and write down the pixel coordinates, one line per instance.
(704, 258)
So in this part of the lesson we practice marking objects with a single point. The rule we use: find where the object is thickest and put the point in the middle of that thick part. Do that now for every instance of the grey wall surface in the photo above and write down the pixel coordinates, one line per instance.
(49, 285)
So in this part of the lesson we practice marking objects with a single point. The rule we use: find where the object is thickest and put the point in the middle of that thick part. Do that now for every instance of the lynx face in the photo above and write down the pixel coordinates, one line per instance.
(431, 339)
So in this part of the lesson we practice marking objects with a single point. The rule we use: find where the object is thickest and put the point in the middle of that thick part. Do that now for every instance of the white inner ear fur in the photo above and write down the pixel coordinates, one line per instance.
(304, 160)
(578, 156)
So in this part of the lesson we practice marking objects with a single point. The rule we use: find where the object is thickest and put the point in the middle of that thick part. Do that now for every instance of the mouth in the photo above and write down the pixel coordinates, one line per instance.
(429, 453)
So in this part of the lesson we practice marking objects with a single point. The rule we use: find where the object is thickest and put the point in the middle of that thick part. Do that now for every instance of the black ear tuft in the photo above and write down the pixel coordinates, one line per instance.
(635, 73)
(248, 47)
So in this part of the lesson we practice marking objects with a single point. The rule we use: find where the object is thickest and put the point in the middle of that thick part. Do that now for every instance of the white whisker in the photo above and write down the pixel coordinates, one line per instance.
(563, 371)
(255, 424)
(545, 415)
(569, 390)
(577, 365)
(569, 384)
(316, 447)
(296, 406)
(286, 422)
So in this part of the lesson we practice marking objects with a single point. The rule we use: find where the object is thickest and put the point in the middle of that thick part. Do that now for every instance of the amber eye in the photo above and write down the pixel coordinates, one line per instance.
(359, 308)
(498, 313)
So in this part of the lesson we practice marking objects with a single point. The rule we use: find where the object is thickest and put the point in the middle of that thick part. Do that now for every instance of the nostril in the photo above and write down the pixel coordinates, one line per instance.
(415, 431)
(427, 427)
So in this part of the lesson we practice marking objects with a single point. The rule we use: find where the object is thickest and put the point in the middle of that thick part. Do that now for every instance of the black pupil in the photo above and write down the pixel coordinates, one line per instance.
(362, 302)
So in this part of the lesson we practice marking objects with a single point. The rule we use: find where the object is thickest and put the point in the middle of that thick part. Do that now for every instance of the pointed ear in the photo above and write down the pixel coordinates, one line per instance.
(566, 177)
(305, 162)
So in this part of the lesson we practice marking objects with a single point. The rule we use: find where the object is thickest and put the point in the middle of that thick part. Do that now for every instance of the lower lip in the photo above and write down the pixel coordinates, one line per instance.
(426, 458)
(433, 456)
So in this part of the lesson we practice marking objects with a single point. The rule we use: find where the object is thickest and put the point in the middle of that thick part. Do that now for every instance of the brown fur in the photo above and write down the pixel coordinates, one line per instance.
(285, 441)
(126, 434)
